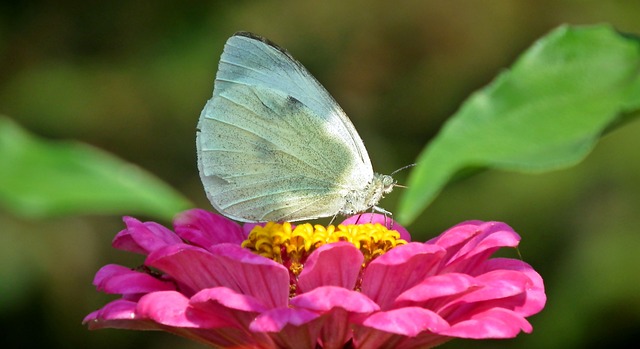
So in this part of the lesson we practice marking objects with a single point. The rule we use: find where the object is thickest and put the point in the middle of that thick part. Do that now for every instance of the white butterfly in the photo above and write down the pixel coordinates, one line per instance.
(273, 145)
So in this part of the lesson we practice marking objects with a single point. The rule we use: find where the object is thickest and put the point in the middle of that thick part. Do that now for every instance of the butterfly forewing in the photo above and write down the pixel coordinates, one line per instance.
(272, 143)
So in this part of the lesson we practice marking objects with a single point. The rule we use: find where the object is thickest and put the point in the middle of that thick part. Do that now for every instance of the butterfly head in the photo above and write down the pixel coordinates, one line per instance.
(387, 183)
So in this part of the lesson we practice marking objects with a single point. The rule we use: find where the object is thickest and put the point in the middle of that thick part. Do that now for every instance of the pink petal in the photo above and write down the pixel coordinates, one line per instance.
(228, 299)
(336, 264)
(340, 308)
(177, 315)
(369, 338)
(364, 218)
(116, 279)
(492, 323)
(143, 238)
(289, 328)
(458, 234)
(336, 329)
(396, 271)
(225, 337)
(498, 289)
(171, 308)
(409, 321)
(470, 243)
(473, 232)
(536, 298)
(439, 286)
(324, 299)
(226, 265)
(118, 314)
(423, 340)
(498, 284)
(275, 320)
(205, 229)
(118, 309)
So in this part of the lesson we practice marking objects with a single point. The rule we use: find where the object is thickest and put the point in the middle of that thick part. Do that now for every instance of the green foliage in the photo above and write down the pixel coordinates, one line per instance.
(40, 178)
(545, 113)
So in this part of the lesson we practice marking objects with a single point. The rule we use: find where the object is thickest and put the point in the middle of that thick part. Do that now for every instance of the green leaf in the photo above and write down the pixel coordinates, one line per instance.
(545, 113)
(41, 178)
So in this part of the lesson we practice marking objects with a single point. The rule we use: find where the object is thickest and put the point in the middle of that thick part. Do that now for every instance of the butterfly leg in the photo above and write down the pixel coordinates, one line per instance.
(333, 219)
(386, 214)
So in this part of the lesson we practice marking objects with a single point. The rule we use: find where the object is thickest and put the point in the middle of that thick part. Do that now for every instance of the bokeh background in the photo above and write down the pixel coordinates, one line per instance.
(131, 77)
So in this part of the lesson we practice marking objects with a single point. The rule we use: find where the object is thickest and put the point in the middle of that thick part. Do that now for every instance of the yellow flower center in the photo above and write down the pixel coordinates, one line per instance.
(291, 247)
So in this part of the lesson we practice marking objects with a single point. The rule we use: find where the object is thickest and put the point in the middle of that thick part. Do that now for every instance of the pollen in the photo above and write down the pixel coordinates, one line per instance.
(291, 246)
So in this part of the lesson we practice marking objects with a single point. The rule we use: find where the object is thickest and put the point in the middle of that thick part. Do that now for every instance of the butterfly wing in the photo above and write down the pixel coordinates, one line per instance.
(272, 143)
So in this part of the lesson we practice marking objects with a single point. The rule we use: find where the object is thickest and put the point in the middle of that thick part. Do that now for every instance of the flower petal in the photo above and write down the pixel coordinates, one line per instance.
(409, 321)
(234, 309)
(498, 284)
(366, 337)
(289, 328)
(118, 314)
(143, 238)
(336, 264)
(379, 218)
(228, 299)
(174, 311)
(535, 296)
(492, 323)
(171, 308)
(116, 279)
(340, 308)
(225, 265)
(499, 289)
(396, 271)
(324, 299)
(275, 320)
(470, 242)
(439, 286)
(205, 229)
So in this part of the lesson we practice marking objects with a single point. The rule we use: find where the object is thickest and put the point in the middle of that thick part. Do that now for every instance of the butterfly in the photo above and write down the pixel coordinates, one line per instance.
(273, 145)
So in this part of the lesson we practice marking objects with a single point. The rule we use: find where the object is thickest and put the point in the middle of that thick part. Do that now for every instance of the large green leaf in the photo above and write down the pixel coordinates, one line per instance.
(40, 178)
(545, 113)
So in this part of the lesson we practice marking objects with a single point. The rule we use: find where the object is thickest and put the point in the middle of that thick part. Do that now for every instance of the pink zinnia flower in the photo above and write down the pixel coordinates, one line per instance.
(355, 286)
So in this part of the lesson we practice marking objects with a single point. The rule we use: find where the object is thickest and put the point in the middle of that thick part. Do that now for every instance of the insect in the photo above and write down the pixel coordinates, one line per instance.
(273, 145)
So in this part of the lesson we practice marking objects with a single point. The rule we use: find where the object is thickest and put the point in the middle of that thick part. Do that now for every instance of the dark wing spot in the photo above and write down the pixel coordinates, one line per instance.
(293, 103)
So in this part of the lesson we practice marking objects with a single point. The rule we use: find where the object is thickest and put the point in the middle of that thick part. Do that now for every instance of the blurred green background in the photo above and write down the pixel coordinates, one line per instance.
(131, 77)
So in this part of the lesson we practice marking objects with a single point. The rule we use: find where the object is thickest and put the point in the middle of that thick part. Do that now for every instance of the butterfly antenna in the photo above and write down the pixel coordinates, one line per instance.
(402, 168)
(398, 170)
